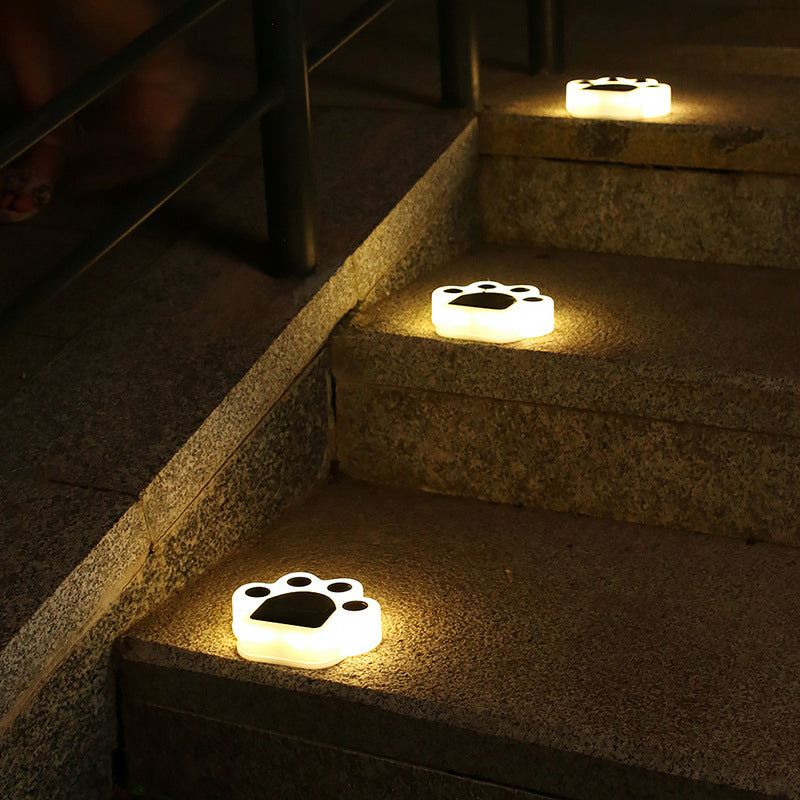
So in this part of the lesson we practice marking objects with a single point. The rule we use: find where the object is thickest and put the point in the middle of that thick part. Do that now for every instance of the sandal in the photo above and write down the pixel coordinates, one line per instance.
(26, 186)
(23, 193)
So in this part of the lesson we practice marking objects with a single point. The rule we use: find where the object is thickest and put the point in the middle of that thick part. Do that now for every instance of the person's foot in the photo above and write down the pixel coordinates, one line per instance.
(27, 186)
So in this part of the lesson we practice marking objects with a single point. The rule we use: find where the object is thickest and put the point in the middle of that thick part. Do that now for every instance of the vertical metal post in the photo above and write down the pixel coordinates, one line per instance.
(545, 36)
(458, 54)
(286, 135)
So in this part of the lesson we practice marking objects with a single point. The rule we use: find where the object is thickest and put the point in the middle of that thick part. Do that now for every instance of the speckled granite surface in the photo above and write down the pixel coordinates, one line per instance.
(65, 706)
(54, 590)
(744, 123)
(155, 405)
(189, 266)
(533, 650)
(734, 217)
(726, 190)
(667, 393)
(660, 473)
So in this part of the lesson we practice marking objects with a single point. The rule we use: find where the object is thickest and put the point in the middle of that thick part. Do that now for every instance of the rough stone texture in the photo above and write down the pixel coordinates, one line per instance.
(60, 744)
(541, 651)
(47, 605)
(69, 715)
(666, 394)
(328, 296)
(725, 217)
(195, 353)
(663, 339)
(288, 451)
(740, 123)
(139, 403)
(37, 563)
(193, 376)
(699, 478)
(22, 355)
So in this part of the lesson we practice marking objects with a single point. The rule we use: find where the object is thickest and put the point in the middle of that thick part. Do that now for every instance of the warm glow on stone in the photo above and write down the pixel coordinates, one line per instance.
(302, 621)
(618, 98)
(488, 311)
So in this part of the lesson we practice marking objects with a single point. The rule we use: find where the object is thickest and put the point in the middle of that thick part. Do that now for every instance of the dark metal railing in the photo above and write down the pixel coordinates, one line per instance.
(286, 137)
(545, 36)
(282, 104)
(147, 200)
(345, 30)
(458, 54)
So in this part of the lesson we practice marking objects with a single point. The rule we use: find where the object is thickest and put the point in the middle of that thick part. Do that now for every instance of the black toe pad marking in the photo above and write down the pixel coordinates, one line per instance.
(484, 300)
(306, 609)
(610, 87)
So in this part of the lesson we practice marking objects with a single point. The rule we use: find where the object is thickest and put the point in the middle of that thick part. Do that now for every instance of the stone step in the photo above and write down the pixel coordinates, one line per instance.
(715, 180)
(666, 395)
(526, 654)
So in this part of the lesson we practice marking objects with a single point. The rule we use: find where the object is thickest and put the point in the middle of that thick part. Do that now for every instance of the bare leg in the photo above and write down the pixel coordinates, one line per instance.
(31, 59)
(160, 93)
(156, 97)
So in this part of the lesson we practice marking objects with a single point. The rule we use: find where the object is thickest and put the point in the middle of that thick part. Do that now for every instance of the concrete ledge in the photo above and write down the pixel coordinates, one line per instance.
(648, 337)
(56, 615)
(604, 465)
(78, 422)
(531, 651)
(715, 180)
(329, 297)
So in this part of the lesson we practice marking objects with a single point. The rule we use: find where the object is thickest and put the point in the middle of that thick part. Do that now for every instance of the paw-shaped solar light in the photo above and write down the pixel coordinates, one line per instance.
(488, 311)
(618, 98)
(303, 621)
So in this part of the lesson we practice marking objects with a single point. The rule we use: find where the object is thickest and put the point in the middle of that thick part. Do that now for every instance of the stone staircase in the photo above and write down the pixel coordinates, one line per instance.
(605, 604)
(626, 482)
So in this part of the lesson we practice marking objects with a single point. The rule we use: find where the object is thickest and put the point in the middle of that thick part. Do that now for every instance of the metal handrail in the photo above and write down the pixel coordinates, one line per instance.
(146, 202)
(349, 27)
(545, 36)
(283, 63)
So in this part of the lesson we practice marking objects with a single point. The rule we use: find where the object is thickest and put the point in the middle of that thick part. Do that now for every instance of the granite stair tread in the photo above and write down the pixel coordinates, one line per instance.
(667, 393)
(533, 651)
(718, 121)
(154, 389)
(660, 338)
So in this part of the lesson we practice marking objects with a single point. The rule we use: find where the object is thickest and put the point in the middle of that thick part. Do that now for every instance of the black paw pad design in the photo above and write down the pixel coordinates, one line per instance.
(488, 311)
(618, 98)
(303, 621)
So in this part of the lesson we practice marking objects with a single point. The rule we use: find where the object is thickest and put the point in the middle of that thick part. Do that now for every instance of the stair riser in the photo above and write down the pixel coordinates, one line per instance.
(694, 477)
(737, 147)
(724, 217)
(182, 756)
(186, 734)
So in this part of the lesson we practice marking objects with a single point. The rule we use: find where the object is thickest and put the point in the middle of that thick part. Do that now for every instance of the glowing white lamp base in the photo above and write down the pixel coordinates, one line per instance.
(618, 98)
(488, 311)
(302, 621)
